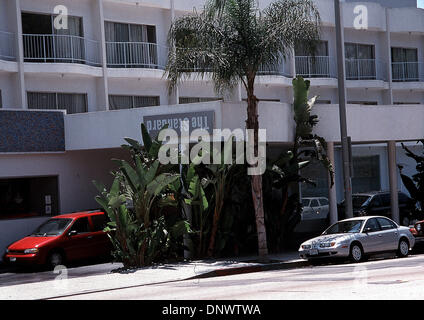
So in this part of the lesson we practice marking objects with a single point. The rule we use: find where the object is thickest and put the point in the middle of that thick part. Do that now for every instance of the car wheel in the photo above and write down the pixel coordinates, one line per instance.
(356, 253)
(403, 249)
(55, 259)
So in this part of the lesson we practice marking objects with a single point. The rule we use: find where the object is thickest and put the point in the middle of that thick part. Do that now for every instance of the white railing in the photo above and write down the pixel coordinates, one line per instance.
(136, 55)
(314, 67)
(7, 46)
(282, 69)
(407, 71)
(365, 69)
(61, 48)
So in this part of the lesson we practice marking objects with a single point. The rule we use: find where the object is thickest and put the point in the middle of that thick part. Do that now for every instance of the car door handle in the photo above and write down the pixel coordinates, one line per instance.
(90, 237)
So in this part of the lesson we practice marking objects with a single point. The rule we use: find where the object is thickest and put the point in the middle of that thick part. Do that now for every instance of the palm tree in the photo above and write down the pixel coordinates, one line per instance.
(232, 41)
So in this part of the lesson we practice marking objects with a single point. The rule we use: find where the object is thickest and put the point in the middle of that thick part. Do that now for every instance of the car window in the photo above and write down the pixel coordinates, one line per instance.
(375, 201)
(385, 199)
(81, 225)
(52, 227)
(386, 224)
(359, 201)
(373, 225)
(314, 203)
(305, 202)
(99, 222)
(323, 201)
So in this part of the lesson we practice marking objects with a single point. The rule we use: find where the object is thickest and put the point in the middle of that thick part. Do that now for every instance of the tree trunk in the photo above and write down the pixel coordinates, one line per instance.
(256, 180)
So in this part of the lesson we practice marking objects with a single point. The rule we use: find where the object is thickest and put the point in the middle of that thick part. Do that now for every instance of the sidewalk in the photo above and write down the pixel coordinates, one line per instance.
(103, 277)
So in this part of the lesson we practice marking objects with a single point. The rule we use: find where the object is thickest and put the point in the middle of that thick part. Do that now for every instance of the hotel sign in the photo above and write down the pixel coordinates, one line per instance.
(196, 120)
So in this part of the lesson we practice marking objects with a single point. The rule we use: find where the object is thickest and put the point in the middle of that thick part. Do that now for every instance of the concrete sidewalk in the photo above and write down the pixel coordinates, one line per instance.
(103, 277)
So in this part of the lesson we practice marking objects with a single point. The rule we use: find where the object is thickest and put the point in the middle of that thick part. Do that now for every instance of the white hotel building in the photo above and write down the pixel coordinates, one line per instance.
(68, 97)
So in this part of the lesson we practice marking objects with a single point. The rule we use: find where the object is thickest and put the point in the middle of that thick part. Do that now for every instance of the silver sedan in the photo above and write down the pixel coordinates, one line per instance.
(358, 238)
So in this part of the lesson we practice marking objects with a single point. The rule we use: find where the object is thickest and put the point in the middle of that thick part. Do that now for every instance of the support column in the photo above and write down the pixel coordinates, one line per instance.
(391, 152)
(332, 194)
(20, 79)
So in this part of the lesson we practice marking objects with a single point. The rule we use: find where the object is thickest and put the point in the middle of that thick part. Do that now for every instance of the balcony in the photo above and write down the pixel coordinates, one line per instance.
(282, 69)
(7, 46)
(407, 71)
(314, 67)
(365, 69)
(136, 55)
(51, 48)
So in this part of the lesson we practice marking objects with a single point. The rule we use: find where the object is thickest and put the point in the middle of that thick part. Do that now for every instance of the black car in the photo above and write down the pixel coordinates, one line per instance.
(377, 203)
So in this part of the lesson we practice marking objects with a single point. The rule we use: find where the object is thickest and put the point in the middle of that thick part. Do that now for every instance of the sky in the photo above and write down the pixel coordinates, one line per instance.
(420, 3)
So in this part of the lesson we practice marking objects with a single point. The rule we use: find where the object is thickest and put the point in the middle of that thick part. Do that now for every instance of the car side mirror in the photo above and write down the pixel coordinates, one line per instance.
(72, 233)
(366, 230)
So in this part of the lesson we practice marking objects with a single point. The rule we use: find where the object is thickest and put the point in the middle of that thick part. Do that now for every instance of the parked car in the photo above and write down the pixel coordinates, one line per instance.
(378, 203)
(62, 239)
(357, 238)
(314, 216)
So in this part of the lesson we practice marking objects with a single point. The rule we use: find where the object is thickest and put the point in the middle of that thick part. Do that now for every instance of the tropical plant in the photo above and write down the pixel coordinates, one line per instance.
(139, 231)
(286, 171)
(414, 184)
(233, 41)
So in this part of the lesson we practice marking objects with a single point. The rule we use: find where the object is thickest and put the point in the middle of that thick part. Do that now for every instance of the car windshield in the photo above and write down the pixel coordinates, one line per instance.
(359, 201)
(352, 226)
(52, 227)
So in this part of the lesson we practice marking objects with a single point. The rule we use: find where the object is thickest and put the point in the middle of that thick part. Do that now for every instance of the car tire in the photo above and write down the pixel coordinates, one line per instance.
(356, 253)
(403, 248)
(54, 259)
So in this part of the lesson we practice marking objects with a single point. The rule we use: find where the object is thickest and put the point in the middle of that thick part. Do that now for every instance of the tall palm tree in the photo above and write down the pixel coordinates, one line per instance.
(232, 41)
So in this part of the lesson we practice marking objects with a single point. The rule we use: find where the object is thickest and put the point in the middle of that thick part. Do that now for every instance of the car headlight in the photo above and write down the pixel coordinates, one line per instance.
(327, 244)
(306, 246)
(33, 250)
(418, 227)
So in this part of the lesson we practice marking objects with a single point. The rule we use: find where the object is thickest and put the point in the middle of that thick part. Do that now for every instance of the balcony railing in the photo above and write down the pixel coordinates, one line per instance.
(61, 48)
(7, 46)
(314, 67)
(407, 71)
(365, 69)
(136, 55)
(281, 70)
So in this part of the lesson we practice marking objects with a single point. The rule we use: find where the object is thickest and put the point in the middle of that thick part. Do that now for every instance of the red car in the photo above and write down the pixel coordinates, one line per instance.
(61, 239)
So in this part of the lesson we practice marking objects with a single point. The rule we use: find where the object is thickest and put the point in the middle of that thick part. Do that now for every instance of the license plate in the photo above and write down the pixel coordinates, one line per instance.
(12, 259)
(313, 252)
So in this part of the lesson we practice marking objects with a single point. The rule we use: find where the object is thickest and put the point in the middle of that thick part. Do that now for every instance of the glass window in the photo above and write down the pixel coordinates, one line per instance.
(359, 201)
(71, 102)
(99, 222)
(81, 225)
(352, 226)
(323, 201)
(375, 201)
(366, 174)
(373, 225)
(52, 227)
(386, 224)
(314, 203)
(119, 102)
(305, 202)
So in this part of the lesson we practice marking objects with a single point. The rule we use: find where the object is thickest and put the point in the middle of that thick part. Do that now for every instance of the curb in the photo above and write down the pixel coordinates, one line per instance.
(252, 269)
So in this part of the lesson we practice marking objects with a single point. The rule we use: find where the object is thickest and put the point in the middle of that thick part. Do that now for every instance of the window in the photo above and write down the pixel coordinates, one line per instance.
(402, 103)
(365, 103)
(314, 203)
(372, 225)
(1, 100)
(323, 201)
(81, 225)
(375, 202)
(386, 224)
(71, 102)
(42, 42)
(131, 45)
(366, 174)
(360, 61)
(323, 102)
(385, 199)
(184, 100)
(119, 102)
(405, 64)
(312, 65)
(99, 222)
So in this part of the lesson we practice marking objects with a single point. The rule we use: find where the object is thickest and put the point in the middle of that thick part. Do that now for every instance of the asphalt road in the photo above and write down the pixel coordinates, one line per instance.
(388, 278)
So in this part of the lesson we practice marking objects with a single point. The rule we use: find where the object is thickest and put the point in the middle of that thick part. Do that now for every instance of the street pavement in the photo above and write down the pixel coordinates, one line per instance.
(283, 277)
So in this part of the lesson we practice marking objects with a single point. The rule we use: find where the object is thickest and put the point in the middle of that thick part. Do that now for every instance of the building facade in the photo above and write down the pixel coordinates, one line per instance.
(69, 96)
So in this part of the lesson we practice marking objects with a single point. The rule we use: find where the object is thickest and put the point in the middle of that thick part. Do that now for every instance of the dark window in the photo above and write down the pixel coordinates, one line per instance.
(375, 201)
(373, 225)
(386, 224)
(314, 203)
(385, 199)
(1, 100)
(119, 102)
(366, 174)
(81, 225)
(323, 201)
(99, 222)
(71, 102)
